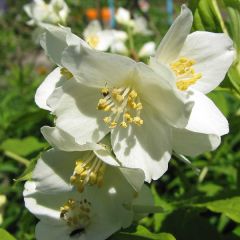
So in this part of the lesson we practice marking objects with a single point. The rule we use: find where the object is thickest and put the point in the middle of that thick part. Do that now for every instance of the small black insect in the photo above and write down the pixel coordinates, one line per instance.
(77, 231)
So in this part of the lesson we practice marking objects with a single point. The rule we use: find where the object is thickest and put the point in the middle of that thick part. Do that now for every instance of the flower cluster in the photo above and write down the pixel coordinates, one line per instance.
(117, 123)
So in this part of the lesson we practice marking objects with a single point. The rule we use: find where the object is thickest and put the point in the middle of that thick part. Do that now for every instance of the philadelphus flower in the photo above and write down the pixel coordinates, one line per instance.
(40, 12)
(108, 93)
(138, 23)
(199, 62)
(64, 213)
(147, 50)
(102, 40)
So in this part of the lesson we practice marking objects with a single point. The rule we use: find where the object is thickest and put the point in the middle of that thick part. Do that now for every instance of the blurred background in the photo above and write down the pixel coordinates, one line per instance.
(196, 206)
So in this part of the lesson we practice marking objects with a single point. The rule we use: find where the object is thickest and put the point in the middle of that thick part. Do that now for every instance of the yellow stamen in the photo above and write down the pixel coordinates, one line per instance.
(76, 213)
(122, 103)
(87, 172)
(185, 73)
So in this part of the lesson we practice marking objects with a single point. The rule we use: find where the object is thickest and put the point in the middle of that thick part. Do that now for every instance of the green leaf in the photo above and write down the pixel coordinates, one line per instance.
(142, 233)
(27, 174)
(22, 147)
(230, 207)
(193, 4)
(4, 235)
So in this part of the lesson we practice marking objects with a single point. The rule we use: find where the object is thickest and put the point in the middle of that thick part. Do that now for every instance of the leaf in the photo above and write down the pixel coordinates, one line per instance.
(22, 147)
(230, 207)
(27, 174)
(4, 235)
(142, 233)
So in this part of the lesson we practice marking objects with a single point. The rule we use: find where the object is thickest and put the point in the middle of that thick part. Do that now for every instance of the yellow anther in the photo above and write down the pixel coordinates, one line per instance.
(105, 91)
(123, 124)
(107, 119)
(122, 102)
(113, 124)
(119, 97)
(64, 72)
(102, 104)
(139, 106)
(138, 121)
(133, 94)
(132, 104)
(107, 108)
(115, 92)
(183, 68)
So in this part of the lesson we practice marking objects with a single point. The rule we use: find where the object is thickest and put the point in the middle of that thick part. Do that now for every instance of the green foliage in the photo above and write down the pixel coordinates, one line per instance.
(196, 207)
(141, 233)
(4, 235)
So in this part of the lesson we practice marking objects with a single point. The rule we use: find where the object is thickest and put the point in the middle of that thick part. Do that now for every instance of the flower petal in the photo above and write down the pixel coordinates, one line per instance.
(56, 39)
(54, 169)
(206, 117)
(148, 49)
(213, 53)
(96, 69)
(156, 91)
(52, 81)
(75, 107)
(64, 141)
(48, 231)
(149, 152)
(173, 41)
(192, 144)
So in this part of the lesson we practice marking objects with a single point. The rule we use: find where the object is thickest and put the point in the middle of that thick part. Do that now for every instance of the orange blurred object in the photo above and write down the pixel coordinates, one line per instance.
(106, 14)
(92, 14)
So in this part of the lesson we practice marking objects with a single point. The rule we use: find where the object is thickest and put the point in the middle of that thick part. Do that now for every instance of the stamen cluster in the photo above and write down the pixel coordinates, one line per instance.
(185, 73)
(124, 105)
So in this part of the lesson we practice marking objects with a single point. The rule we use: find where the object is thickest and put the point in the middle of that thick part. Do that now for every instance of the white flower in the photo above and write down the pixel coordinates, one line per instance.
(40, 12)
(138, 24)
(123, 17)
(65, 213)
(199, 61)
(113, 93)
(102, 40)
(147, 50)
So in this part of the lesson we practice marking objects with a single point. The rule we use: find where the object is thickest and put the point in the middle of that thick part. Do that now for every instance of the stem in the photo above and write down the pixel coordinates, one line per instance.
(17, 158)
(131, 44)
(219, 16)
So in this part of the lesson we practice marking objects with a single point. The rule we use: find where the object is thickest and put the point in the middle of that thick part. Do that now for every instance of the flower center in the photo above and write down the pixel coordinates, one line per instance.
(89, 171)
(124, 106)
(65, 73)
(93, 41)
(76, 213)
(186, 76)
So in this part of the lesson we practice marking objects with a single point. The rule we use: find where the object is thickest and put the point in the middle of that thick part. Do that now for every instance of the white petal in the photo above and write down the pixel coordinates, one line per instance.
(92, 28)
(147, 147)
(148, 49)
(105, 40)
(119, 47)
(42, 206)
(64, 141)
(94, 68)
(213, 53)
(135, 177)
(123, 17)
(56, 39)
(53, 80)
(156, 91)
(45, 231)
(192, 144)
(206, 117)
(173, 41)
(54, 169)
(75, 107)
